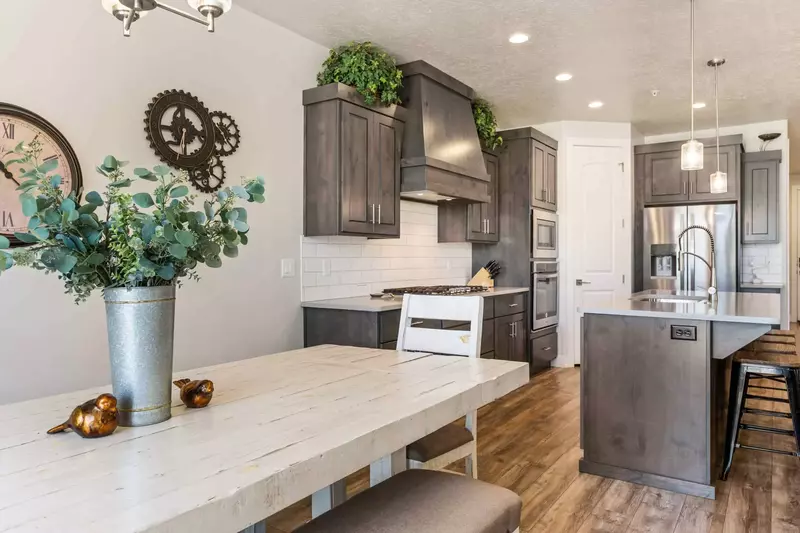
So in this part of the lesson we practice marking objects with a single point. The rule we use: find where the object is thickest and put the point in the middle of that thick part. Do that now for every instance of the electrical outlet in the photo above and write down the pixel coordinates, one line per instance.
(287, 268)
(683, 333)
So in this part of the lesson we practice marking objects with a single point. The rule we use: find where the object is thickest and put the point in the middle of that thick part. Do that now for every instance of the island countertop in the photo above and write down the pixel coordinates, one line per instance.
(379, 305)
(742, 307)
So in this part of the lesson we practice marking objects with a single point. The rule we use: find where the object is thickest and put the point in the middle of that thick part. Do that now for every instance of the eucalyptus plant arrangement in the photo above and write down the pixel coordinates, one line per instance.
(120, 239)
(485, 123)
(368, 68)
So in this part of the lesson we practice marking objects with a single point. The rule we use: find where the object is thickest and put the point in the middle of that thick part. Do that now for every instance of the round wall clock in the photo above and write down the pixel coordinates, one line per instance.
(20, 125)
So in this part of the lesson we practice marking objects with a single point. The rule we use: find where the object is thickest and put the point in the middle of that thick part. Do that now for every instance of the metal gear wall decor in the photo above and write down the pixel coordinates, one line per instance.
(208, 178)
(185, 135)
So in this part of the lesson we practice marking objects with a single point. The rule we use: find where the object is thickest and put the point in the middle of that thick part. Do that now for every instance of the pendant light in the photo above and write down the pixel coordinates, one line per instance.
(719, 180)
(692, 150)
(129, 11)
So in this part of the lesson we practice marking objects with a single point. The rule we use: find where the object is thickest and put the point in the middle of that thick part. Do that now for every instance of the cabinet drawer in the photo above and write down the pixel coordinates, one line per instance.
(544, 349)
(509, 304)
(390, 325)
(487, 333)
(389, 345)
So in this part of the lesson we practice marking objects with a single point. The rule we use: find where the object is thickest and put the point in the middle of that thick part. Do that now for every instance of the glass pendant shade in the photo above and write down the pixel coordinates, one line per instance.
(223, 5)
(718, 183)
(692, 155)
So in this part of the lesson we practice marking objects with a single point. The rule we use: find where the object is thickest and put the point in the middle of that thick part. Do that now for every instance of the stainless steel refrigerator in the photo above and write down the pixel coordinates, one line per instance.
(662, 225)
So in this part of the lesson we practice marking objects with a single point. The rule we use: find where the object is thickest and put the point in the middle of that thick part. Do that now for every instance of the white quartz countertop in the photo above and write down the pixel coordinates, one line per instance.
(379, 305)
(743, 307)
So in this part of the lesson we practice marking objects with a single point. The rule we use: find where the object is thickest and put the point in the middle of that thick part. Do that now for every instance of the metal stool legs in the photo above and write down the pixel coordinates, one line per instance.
(741, 373)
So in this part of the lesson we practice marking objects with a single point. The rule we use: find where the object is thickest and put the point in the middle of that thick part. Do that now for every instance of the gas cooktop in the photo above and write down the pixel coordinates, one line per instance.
(449, 290)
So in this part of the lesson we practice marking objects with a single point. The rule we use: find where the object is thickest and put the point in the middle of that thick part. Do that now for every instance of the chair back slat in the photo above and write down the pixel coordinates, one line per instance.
(441, 341)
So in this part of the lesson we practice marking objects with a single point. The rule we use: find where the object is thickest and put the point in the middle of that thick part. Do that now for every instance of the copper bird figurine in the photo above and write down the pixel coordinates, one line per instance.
(92, 419)
(195, 393)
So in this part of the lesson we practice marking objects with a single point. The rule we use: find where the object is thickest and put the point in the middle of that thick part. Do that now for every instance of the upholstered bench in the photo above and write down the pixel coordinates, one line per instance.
(420, 501)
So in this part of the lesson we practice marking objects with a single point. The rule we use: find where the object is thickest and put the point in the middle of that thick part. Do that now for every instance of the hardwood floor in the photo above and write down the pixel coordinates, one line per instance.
(528, 442)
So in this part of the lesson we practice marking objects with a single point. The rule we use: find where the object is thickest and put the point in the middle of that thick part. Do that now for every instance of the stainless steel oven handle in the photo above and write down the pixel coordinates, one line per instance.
(546, 276)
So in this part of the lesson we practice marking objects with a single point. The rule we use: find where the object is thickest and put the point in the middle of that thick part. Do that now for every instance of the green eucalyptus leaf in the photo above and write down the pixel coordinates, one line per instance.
(55, 181)
(93, 237)
(73, 216)
(242, 213)
(161, 170)
(78, 243)
(177, 250)
(6, 261)
(210, 249)
(145, 174)
(101, 170)
(43, 203)
(143, 200)
(96, 259)
(200, 217)
(28, 204)
(256, 188)
(241, 226)
(229, 234)
(170, 214)
(149, 265)
(244, 238)
(166, 272)
(51, 216)
(87, 209)
(110, 162)
(48, 166)
(222, 195)
(186, 238)
(214, 261)
(34, 222)
(66, 263)
(231, 251)
(232, 216)
(260, 180)
(241, 192)
(41, 233)
(4, 243)
(66, 241)
(148, 231)
(27, 238)
(179, 192)
(169, 232)
(209, 210)
(67, 205)
(94, 198)
(83, 269)
(90, 221)
(258, 198)
(121, 183)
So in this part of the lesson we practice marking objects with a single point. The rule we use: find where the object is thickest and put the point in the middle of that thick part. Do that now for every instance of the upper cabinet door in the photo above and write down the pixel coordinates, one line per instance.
(700, 184)
(543, 181)
(491, 210)
(357, 172)
(760, 198)
(664, 181)
(385, 177)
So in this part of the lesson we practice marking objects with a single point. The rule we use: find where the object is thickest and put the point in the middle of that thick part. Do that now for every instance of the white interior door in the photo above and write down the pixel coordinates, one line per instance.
(598, 258)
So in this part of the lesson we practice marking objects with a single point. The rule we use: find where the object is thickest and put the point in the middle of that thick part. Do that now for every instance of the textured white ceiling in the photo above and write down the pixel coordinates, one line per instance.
(617, 50)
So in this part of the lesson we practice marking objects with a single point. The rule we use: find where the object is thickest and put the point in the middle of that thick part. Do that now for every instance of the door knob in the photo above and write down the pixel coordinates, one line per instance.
(580, 282)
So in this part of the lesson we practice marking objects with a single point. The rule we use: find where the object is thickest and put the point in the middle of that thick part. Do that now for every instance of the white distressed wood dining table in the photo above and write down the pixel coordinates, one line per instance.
(280, 427)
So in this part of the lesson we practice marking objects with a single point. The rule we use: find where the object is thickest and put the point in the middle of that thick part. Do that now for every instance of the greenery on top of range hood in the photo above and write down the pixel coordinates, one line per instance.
(485, 123)
(368, 68)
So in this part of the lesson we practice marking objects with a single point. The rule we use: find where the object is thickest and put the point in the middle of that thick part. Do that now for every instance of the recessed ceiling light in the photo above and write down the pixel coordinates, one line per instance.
(699, 105)
(595, 105)
(518, 38)
(564, 76)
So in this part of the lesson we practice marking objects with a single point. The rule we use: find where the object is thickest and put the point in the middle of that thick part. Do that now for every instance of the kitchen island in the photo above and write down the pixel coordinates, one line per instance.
(653, 374)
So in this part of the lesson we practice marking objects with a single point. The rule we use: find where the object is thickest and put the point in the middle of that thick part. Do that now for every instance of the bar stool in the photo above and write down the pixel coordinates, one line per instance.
(747, 365)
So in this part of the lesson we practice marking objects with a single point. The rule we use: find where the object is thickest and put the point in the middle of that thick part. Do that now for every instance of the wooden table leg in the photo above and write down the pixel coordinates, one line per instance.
(326, 499)
(386, 467)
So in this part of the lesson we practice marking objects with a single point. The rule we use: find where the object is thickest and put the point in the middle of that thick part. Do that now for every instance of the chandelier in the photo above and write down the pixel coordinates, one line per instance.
(692, 150)
(129, 11)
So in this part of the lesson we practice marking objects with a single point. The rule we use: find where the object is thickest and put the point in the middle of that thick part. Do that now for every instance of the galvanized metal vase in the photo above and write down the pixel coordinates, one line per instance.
(141, 325)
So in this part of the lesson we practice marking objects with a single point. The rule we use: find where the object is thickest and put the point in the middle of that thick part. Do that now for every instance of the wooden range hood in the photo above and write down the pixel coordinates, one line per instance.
(442, 156)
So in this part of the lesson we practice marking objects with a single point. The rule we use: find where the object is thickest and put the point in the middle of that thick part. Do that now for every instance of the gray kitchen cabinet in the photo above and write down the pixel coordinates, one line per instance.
(543, 182)
(659, 173)
(473, 222)
(511, 338)
(760, 197)
(544, 348)
(352, 164)
(700, 180)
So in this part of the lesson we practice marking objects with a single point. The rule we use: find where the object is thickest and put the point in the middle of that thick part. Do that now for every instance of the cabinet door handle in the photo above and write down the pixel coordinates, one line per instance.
(684, 188)
(547, 349)
(379, 214)
(747, 228)
(373, 214)
(417, 323)
(691, 188)
(513, 305)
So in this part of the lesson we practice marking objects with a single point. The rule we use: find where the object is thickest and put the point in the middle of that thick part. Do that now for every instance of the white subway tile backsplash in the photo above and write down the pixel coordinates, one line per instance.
(766, 258)
(340, 267)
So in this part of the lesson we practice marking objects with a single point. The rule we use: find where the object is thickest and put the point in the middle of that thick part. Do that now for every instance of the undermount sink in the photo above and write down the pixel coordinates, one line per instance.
(669, 298)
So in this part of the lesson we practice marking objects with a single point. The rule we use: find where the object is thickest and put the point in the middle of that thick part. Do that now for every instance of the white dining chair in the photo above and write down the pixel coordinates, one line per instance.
(454, 441)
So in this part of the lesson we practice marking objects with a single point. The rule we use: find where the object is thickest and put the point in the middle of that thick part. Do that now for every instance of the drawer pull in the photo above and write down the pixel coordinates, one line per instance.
(418, 323)
(513, 305)
(547, 349)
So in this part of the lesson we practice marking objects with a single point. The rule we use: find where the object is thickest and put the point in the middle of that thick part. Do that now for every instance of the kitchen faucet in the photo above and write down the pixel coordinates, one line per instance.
(712, 290)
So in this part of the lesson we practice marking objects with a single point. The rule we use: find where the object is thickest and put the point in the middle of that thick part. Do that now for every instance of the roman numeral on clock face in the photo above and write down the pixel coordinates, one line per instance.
(8, 130)
(8, 221)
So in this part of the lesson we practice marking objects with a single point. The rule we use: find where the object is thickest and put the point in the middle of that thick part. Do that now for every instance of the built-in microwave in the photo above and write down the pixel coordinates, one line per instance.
(544, 294)
(544, 234)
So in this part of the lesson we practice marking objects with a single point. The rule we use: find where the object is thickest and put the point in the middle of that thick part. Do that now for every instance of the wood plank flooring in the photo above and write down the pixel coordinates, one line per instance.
(528, 442)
